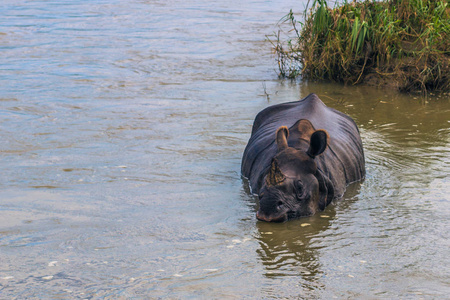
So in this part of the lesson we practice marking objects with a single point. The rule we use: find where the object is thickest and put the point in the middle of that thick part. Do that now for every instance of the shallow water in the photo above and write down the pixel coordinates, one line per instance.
(123, 125)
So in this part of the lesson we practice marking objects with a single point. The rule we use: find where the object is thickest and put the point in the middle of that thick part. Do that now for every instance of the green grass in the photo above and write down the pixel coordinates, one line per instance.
(400, 43)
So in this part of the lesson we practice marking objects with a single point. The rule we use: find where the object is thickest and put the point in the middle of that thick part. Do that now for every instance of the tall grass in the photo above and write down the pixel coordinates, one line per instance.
(401, 43)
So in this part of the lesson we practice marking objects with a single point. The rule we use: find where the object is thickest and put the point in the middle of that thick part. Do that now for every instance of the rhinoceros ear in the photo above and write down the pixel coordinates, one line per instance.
(318, 143)
(282, 135)
(275, 176)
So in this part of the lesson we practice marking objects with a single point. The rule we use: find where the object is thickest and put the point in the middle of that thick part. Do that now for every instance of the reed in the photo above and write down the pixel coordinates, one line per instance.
(400, 43)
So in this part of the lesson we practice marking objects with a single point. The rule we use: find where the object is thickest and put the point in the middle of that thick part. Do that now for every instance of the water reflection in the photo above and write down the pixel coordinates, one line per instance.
(293, 248)
(288, 249)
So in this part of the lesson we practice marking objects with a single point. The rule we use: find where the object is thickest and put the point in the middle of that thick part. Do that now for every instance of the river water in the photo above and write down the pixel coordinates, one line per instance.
(122, 129)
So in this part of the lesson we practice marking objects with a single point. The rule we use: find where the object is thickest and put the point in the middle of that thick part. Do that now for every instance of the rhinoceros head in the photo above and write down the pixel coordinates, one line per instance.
(293, 186)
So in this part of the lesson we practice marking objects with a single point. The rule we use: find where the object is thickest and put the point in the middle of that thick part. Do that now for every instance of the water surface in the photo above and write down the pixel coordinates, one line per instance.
(123, 125)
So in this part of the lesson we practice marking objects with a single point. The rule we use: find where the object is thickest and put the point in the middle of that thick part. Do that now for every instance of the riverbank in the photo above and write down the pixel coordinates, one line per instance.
(397, 44)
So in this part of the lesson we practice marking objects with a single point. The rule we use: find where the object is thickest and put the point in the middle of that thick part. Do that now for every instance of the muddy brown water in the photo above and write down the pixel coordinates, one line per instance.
(122, 130)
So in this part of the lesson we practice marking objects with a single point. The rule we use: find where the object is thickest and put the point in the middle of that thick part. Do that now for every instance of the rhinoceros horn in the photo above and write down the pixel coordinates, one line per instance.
(275, 176)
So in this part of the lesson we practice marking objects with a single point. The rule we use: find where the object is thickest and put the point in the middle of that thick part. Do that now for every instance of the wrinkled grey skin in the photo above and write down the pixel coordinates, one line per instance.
(301, 155)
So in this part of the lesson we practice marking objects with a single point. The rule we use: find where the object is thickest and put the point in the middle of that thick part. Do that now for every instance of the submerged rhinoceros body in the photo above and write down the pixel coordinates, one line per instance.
(301, 155)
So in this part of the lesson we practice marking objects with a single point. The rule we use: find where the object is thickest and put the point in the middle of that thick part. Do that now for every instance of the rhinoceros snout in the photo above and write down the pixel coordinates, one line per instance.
(279, 217)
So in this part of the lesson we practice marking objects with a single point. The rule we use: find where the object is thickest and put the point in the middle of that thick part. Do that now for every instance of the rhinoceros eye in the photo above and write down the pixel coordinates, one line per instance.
(299, 189)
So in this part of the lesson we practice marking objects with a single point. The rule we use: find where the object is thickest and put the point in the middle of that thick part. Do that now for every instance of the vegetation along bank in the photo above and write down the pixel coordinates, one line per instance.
(397, 43)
